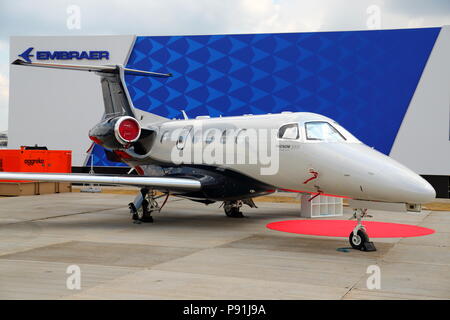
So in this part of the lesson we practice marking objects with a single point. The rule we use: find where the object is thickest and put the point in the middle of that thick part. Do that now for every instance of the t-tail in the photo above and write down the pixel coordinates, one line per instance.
(116, 98)
(121, 126)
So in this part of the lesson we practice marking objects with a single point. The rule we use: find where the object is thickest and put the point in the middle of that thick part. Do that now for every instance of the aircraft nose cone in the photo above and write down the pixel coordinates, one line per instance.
(423, 192)
(391, 181)
(408, 186)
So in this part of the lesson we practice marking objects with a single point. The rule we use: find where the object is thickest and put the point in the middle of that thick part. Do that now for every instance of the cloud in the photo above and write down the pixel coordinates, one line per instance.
(171, 17)
(4, 95)
(178, 17)
(4, 92)
(4, 85)
(419, 7)
(158, 17)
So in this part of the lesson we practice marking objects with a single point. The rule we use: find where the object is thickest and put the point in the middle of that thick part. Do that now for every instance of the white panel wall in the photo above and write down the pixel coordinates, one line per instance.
(56, 108)
(422, 143)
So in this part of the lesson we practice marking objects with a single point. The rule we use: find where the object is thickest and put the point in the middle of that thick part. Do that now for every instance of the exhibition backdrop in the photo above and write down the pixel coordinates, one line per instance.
(368, 81)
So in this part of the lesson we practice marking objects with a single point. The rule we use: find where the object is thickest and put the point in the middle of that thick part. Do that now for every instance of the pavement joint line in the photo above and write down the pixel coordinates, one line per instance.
(378, 262)
(382, 259)
(237, 277)
(416, 262)
(102, 284)
(105, 265)
(352, 287)
(60, 216)
(187, 272)
(133, 270)
(67, 263)
(155, 267)
(29, 249)
(315, 259)
(401, 242)
(419, 297)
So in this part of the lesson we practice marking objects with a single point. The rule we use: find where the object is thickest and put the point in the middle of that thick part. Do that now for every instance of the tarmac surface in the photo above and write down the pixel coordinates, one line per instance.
(193, 251)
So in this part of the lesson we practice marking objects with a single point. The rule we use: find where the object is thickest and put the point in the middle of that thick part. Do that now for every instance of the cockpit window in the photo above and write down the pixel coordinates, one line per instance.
(322, 131)
(288, 131)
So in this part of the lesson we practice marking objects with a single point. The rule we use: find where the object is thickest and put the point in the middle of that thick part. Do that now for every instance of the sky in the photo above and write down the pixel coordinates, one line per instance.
(182, 17)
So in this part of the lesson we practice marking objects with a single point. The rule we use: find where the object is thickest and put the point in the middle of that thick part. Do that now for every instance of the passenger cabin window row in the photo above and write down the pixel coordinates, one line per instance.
(315, 131)
(197, 136)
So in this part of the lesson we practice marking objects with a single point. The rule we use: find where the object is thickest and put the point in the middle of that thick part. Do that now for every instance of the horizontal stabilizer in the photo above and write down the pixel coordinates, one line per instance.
(159, 183)
(100, 69)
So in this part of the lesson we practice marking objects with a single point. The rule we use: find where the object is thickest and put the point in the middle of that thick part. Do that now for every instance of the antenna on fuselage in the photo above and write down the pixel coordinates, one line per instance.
(184, 115)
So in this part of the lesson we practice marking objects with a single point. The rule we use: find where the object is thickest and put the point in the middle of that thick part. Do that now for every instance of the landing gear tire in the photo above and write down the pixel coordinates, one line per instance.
(141, 214)
(134, 212)
(146, 213)
(233, 212)
(147, 218)
(357, 241)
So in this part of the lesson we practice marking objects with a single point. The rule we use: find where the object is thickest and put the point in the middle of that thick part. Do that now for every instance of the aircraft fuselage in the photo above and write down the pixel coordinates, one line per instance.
(301, 152)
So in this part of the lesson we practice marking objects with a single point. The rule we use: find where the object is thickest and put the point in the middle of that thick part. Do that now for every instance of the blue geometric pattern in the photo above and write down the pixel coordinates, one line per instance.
(362, 79)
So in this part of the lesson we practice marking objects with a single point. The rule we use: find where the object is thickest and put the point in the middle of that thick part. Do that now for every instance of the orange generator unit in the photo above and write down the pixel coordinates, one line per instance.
(34, 159)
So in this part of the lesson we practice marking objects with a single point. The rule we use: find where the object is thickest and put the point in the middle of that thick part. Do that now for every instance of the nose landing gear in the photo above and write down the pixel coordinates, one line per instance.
(359, 238)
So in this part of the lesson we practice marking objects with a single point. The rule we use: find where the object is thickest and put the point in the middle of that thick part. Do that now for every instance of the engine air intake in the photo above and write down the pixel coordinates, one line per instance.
(127, 130)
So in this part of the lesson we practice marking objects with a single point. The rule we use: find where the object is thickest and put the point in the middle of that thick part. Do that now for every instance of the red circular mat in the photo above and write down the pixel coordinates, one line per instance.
(343, 228)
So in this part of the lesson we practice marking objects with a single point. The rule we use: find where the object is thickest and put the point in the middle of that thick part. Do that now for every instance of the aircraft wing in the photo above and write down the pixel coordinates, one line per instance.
(160, 183)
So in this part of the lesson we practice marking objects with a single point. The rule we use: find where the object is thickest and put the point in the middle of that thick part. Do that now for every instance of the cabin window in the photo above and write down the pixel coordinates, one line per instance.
(223, 137)
(240, 137)
(322, 131)
(288, 131)
(181, 141)
(197, 136)
(164, 137)
(210, 136)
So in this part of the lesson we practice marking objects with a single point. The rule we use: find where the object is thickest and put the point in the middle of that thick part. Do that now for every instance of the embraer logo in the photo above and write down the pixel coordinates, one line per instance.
(64, 55)
(26, 54)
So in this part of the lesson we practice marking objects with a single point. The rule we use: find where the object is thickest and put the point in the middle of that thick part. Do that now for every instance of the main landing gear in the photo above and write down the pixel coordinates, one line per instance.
(358, 238)
(145, 204)
(233, 208)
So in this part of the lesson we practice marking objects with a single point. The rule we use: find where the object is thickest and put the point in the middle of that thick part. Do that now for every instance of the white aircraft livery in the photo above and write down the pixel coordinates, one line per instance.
(235, 159)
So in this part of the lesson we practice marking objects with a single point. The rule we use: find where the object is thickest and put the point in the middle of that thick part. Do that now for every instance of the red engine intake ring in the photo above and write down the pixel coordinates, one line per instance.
(127, 130)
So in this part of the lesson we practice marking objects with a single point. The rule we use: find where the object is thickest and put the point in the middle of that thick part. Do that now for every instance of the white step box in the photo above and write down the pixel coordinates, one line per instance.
(320, 206)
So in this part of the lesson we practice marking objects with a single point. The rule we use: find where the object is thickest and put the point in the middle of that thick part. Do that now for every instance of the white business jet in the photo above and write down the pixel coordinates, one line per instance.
(235, 159)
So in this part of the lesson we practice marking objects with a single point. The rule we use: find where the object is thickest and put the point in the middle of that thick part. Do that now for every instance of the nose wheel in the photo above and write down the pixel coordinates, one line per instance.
(359, 239)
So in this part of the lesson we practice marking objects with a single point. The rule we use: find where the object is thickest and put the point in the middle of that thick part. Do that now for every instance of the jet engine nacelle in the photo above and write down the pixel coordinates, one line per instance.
(116, 133)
